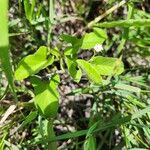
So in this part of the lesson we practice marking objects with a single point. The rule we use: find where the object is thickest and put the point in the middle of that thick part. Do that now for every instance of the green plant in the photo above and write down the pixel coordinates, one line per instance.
(120, 99)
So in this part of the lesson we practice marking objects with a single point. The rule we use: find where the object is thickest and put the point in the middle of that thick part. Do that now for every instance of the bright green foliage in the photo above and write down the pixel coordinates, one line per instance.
(32, 64)
(69, 135)
(90, 71)
(138, 80)
(107, 65)
(55, 52)
(70, 51)
(89, 40)
(2, 142)
(117, 102)
(4, 24)
(51, 135)
(141, 42)
(72, 68)
(90, 143)
(125, 23)
(29, 8)
(46, 95)
(100, 32)
(4, 43)
(101, 66)
(130, 88)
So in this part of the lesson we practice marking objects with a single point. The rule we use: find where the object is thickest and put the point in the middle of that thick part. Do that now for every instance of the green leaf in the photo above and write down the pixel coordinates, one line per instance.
(29, 119)
(127, 87)
(4, 44)
(141, 14)
(135, 101)
(138, 149)
(72, 68)
(140, 42)
(70, 51)
(117, 120)
(32, 64)
(90, 143)
(55, 52)
(90, 71)
(29, 6)
(140, 113)
(107, 65)
(140, 80)
(46, 95)
(4, 23)
(125, 23)
(69, 39)
(100, 32)
(89, 40)
(2, 141)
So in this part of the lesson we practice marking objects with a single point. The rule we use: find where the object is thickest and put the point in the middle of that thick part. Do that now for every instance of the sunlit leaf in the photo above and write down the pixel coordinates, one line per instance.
(90, 71)
(73, 70)
(70, 51)
(4, 44)
(107, 65)
(89, 40)
(29, 6)
(127, 87)
(32, 64)
(125, 23)
(90, 143)
(46, 95)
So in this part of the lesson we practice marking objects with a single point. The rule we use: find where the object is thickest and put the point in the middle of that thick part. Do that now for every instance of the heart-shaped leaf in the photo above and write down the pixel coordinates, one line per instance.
(46, 95)
(107, 65)
(89, 40)
(32, 64)
(90, 71)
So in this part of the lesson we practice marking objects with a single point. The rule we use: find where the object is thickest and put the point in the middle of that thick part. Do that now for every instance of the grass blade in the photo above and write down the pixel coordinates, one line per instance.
(125, 23)
(4, 44)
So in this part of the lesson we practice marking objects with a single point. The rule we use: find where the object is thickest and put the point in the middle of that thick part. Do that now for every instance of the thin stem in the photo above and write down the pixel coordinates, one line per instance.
(109, 11)
(50, 21)
(51, 135)
(125, 32)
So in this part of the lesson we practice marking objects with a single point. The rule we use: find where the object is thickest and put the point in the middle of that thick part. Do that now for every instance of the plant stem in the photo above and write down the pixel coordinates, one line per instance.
(109, 11)
(50, 21)
(125, 32)
(51, 135)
